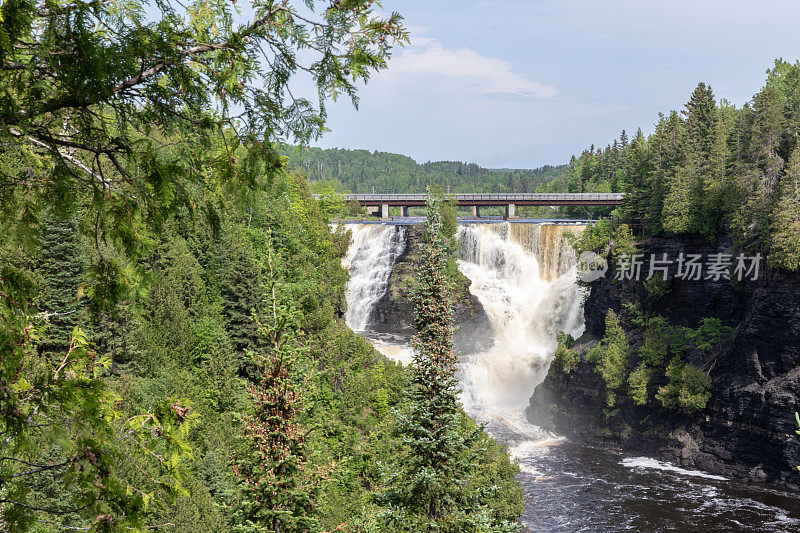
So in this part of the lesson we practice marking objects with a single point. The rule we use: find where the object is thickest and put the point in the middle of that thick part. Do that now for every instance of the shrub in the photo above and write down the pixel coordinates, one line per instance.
(689, 388)
(613, 357)
(565, 358)
(638, 381)
(710, 332)
(657, 287)
(654, 348)
(695, 390)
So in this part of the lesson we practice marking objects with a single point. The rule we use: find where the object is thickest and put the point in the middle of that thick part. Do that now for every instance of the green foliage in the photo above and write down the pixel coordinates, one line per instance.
(797, 418)
(611, 357)
(654, 348)
(708, 333)
(565, 358)
(142, 108)
(278, 490)
(605, 237)
(67, 440)
(657, 287)
(429, 484)
(689, 388)
(785, 225)
(638, 382)
(359, 171)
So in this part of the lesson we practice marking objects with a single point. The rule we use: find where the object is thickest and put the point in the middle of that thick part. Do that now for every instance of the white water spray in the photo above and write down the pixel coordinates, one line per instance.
(523, 275)
(370, 259)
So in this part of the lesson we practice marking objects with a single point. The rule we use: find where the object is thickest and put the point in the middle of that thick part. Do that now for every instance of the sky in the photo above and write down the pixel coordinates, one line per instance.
(520, 84)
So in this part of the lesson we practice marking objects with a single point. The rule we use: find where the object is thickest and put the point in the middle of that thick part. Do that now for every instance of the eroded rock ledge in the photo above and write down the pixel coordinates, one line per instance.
(394, 312)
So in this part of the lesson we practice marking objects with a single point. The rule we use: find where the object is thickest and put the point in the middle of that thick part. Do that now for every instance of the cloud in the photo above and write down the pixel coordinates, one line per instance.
(425, 62)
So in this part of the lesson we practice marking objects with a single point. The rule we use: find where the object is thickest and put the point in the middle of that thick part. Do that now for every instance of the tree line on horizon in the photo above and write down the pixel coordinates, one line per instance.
(362, 171)
(709, 169)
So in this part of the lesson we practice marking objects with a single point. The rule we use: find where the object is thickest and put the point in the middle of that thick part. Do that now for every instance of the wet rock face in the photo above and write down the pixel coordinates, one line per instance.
(747, 430)
(394, 312)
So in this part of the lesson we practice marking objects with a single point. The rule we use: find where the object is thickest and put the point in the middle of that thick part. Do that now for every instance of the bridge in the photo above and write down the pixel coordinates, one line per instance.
(380, 203)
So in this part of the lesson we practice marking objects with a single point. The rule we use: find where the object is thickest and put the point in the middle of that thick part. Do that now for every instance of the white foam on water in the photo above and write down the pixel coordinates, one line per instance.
(399, 353)
(650, 463)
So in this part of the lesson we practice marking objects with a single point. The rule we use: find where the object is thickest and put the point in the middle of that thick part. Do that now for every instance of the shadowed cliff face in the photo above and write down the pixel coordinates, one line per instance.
(747, 430)
(394, 312)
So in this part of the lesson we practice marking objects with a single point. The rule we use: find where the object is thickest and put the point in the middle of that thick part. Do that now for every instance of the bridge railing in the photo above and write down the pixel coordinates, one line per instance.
(498, 197)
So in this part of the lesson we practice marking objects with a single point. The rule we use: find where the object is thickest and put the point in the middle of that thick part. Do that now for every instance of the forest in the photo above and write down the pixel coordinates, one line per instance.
(361, 171)
(174, 354)
(710, 169)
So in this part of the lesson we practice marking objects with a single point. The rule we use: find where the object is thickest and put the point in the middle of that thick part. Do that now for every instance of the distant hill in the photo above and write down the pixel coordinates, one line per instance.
(360, 171)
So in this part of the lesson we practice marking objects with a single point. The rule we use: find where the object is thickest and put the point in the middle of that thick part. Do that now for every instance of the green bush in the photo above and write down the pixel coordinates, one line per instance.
(565, 358)
(657, 287)
(612, 357)
(688, 390)
(638, 381)
(654, 348)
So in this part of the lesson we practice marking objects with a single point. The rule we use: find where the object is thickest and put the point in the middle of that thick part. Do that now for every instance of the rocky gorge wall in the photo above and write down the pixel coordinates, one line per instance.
(394, 312)
(747, 429)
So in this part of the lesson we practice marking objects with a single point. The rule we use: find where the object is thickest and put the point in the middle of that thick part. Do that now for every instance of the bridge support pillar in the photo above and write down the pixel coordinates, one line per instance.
(372, 210)
(476, 211)
(385, 212)
(511, 212)
(404, 211)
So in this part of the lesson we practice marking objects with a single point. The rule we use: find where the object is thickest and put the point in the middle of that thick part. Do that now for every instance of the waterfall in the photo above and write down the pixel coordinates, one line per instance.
(370, 260)
(523, 274)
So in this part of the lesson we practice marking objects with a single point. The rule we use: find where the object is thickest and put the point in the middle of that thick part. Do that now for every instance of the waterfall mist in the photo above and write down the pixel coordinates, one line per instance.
(524, 276)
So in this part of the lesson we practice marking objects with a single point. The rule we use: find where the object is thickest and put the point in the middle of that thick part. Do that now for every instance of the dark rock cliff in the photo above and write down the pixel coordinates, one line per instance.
(394, 312)
(747, 430)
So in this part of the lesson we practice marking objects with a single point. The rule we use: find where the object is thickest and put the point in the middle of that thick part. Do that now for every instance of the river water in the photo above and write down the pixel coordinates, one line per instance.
(523, 275)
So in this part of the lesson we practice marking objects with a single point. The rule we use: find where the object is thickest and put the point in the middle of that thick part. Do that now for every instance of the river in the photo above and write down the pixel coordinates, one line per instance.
(523, 274)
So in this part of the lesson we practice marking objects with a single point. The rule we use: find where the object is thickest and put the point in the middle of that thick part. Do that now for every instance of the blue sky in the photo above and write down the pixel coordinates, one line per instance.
(524, 83)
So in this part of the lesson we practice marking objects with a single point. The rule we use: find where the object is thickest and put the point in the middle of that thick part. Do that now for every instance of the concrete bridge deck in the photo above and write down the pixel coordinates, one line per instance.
(380, 203)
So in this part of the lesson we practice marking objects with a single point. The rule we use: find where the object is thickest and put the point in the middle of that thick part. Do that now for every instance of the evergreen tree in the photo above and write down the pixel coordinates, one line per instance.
(638, 178)
(63, 267)
(428, 490)
(700, 133)
(278, 487)
(785, 248)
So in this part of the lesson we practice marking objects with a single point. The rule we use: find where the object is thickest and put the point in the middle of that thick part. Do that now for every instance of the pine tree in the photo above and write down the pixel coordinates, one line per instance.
(638, 178)
(63, 267)
(699, 141)
(278, 486)
(428, 490)
(785, 248)
(760, 174)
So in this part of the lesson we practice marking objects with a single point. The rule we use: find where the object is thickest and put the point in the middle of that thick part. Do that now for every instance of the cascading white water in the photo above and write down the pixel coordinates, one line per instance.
(370, 259)
(523, 275)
